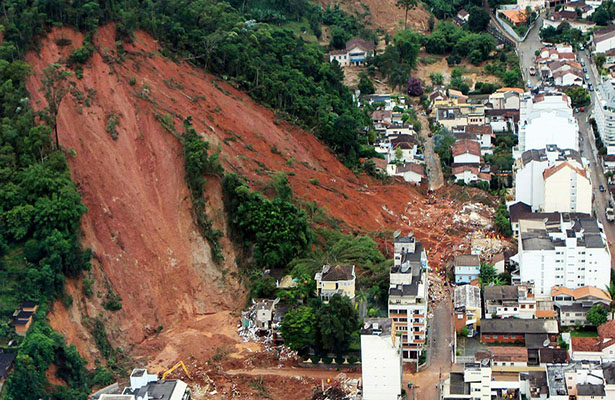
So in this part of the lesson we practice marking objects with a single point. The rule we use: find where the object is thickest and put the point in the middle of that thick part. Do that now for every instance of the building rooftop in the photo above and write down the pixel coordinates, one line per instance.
(159, 390)
(467, 260)
(550, 355)
(466, 146)
(6, 361)
(607, 330)
(377, 326)
(337, 273)
(509, 353)
(588, 389)
(501, 293)
(467, 296)
(512, 325)
(580, 293)
(458, 385)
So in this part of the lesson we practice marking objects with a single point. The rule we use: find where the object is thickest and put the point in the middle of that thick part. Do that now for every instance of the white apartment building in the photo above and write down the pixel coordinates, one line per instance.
(604, 114)
(553, 180)
(381, 363)
(474, 383)
(570, 253)
(408, 293)
(546, 119)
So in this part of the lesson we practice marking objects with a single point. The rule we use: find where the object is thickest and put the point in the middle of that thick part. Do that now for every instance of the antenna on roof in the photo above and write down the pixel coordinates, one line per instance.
(546, 343)
(485, 362)
(397, 233)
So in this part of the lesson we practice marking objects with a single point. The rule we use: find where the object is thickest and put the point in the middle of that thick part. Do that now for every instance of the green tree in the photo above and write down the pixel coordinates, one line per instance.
(436, 78)
(297, 328)
(597, 315)
(610, 290)
(487, 274)
(55, 86)
(334, 325)
(478, 20)
(406, 5)
(579, 96)
(365, 86)
(599, 59)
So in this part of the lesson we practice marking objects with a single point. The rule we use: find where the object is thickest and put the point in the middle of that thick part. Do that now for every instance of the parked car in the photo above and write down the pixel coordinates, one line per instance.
(587, 77)
(585, 69)
(581, 47)
(601, 187)
(591, 88)
(582, 62)
(532, 70)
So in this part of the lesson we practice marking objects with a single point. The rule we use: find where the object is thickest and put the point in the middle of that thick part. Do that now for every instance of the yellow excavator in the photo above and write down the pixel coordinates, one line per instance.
(173, 368)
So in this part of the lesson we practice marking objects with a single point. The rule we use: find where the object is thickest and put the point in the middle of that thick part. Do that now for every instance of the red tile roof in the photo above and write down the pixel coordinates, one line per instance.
(466, 146)
(550, 171)
(607, 330)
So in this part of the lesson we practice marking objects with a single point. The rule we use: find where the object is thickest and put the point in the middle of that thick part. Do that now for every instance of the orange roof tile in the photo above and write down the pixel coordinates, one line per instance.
(550, 171)
(581, 292)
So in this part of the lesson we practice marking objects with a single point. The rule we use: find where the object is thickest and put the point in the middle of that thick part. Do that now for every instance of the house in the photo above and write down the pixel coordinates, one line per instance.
(483, 134)
(552, 355)
(604, 39)
(145, 386)
(467, 268)
(467, 303)
(466, 152)
(499, 263)
(23, 317)
(512, 330)
(264, 312)
(6, 365)
(570, 77)
(469, 173)
(457, 96)
(381, 119)
(573, 304)
(462, 17)
(608, 161)
(515, 17)
(438, 97)
(397, 129)
(408, 295)
(337, 279)
(455, 113)
(571, 253)
(580, 8)
(502, 120)
(557, 18)
(608, 370)
(356, 53)
(505, 356)
(381, 361)
(506, 98)
(474, 382)
(407, 146)
(411, 172)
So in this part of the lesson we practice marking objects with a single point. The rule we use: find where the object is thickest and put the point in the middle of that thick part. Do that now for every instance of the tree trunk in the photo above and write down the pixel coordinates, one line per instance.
(55, 128)
(406, 20)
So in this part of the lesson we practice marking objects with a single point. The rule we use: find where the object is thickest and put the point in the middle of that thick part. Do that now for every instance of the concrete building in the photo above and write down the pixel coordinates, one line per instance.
(467, 268)
(546, 119)
(411, 172)
(513, 330)
(381, 362)
(604, 114)
(570, 253)
(474, 383)
(337, 279)
(506, 99)
(468, 312)
(553, 180)
(408, 292)
(604, 39)
(576, 381)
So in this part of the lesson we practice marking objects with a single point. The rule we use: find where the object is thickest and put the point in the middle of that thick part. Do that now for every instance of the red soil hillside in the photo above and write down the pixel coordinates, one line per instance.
(139, 224)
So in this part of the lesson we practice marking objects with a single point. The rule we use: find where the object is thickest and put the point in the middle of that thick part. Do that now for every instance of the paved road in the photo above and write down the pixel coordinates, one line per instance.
(527, 50)
(440, 337)
(433, 167)
(589, 151)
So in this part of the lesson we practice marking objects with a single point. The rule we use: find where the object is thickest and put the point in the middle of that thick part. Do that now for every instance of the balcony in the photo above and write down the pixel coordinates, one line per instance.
(418, 324)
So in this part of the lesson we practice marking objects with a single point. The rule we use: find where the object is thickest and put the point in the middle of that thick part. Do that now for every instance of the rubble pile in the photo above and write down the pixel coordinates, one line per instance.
(438, 290)
(487, 244)
(475, 214)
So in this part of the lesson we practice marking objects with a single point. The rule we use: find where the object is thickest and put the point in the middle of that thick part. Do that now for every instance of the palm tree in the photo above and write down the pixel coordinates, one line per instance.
(610, 290)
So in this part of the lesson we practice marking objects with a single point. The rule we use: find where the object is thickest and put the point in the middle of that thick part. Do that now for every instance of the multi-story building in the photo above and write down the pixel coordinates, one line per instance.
(552, 179)
(573, 304)
(145, 386)
(576, 380)
(604, 114)
(408, 293)
(381, 362)
(546, 119)
(337, 279)
(571, 253)
(468, 310)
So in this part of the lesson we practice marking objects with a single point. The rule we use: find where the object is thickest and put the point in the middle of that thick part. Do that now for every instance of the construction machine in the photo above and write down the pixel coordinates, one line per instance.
(173, 368)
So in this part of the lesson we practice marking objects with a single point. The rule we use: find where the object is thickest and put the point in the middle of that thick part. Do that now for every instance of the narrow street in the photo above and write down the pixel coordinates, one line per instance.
(440, 363)
(433, 167)
(527, 50)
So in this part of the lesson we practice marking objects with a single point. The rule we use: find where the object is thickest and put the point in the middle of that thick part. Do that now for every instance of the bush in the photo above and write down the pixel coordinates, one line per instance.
(313, 181)
(340, 360)
(352, 360)
(132, 81)
(315, 359)
(327, 360)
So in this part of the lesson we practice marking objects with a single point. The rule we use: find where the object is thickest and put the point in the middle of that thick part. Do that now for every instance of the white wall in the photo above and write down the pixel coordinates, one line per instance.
(529, 184)
(467, 158)
(567, 191)
(605, 45)
(381, 367)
